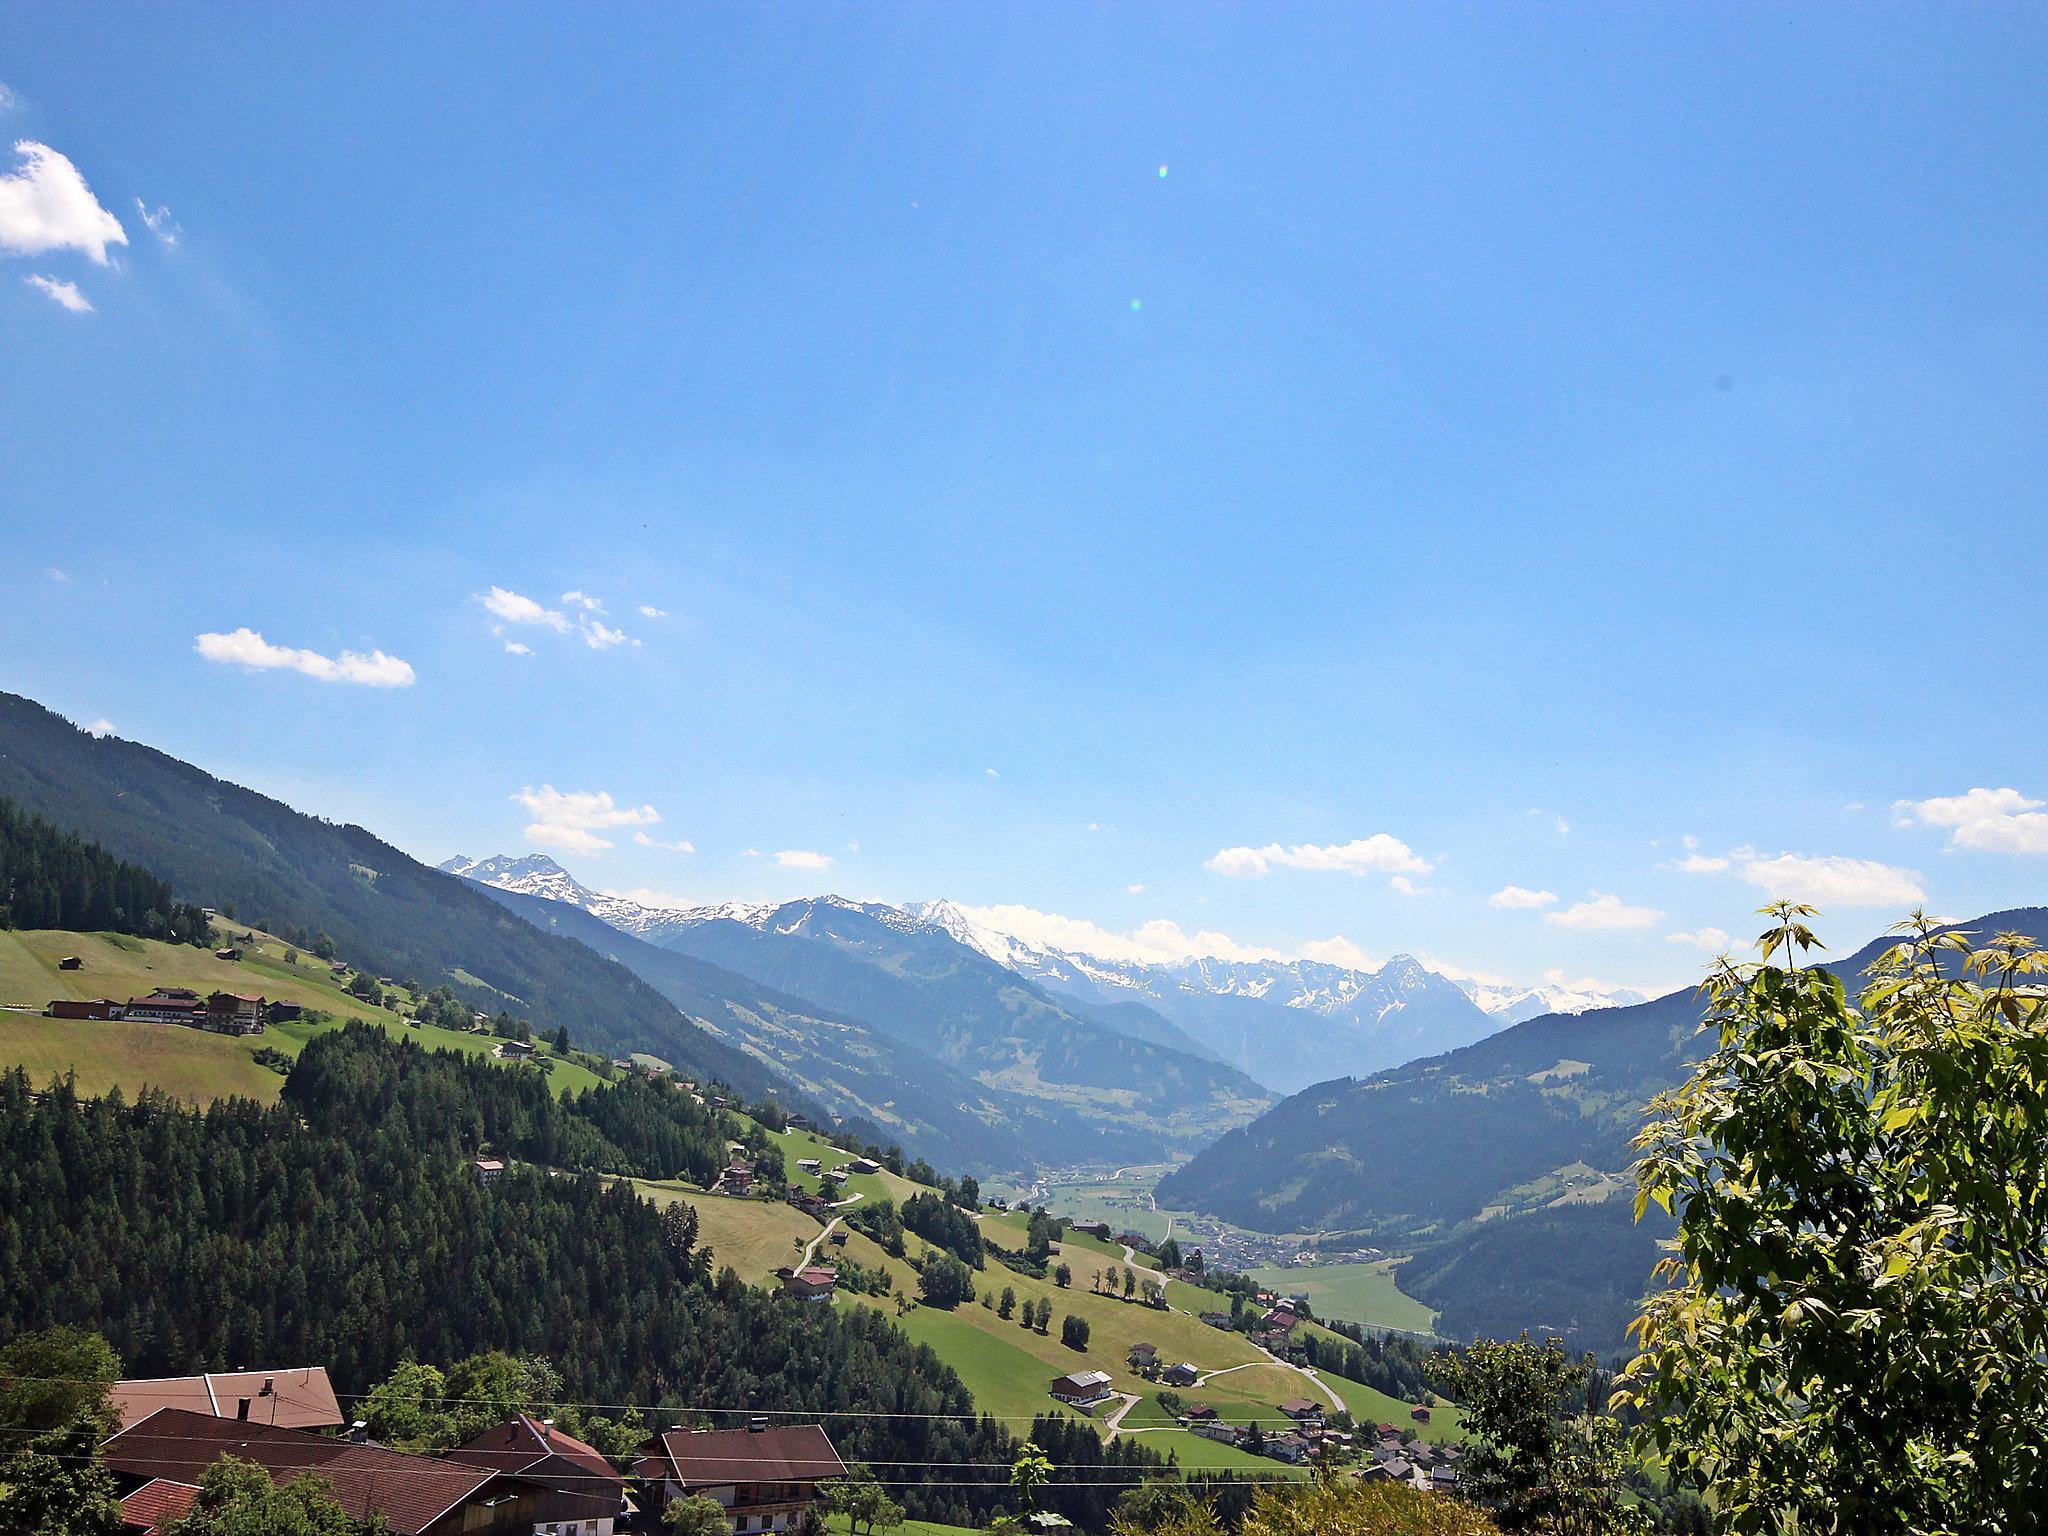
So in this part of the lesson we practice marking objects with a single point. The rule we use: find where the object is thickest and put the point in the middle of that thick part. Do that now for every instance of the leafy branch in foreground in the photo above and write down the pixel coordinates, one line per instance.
(1853, 1333)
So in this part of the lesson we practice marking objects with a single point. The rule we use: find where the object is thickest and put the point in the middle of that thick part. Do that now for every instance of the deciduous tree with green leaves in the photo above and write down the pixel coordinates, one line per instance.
(238, 1498)
(1853, 1330)
(1538, 1463)
(694, 1516)
(864, 1502)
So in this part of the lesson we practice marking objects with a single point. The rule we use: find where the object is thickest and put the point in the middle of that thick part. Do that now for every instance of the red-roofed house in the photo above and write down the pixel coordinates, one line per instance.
(416, 1495)
(813, 1283)
(155, 1505)
(591, 1490)
(300, 1397)
(765, 1478)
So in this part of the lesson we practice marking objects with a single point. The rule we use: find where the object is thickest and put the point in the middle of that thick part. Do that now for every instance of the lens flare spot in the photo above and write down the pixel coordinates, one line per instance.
(1162, 173)
(1136, 305)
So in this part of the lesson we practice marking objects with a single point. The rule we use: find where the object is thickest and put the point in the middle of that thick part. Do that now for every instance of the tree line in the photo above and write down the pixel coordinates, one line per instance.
(50, 878)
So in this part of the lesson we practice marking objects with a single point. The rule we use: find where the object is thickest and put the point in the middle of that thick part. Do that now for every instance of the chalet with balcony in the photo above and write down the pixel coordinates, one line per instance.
(764, 1478)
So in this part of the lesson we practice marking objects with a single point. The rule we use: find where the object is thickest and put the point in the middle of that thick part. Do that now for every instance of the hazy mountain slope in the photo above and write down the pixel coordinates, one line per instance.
(1469, 1156)
(1286, 1023)
(857, 1073)
(1101, 1093)
(222, 845)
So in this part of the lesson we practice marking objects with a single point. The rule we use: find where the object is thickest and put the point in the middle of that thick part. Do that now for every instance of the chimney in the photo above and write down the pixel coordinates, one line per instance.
(758, 1424)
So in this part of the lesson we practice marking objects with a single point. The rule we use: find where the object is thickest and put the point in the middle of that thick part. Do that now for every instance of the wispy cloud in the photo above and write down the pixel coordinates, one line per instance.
(1994, 820)
(1698, 864)
(158, 223)
(1516, 896)
(246, 648)
(1603, 911)
(680, 845)
(1557, 823)
(100, 727)
(518, 648)
(577, 819)
(64, 292)
(516, 608)
(1378, 854)
(46, 206)
(1834, 881)
(649, 611)
(1134, 890)
(1713, 940)
(10, 100)
(991, 773)
(803, 858)
(61, 577)
(511, 607)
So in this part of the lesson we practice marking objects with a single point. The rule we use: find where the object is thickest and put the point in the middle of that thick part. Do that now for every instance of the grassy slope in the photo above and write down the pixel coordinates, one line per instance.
(190, 1063)
(1358, 1293)
(756, 1237)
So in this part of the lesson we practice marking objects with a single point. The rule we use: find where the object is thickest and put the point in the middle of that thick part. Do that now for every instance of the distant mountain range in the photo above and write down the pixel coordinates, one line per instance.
(1069, 1082)
(1282, 1023)
(1502, 1166)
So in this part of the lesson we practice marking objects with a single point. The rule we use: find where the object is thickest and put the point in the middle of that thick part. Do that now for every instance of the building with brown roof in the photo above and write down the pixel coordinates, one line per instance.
(235, 1013)
(591, 1491)
(154, 1505)
(168, 1005)
(415, 1495)
(763, 1478)
(84, 1008)
(298, 1397)
(814, 1282)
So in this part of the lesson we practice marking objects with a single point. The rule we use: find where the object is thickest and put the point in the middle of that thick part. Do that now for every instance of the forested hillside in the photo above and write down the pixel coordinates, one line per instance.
(220, 845)
(314, 1231)
(50, 878)
(868, 1079)
(1517, 1228)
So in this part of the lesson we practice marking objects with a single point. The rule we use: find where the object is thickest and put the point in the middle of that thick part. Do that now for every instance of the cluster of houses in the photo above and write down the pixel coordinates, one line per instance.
(523, 1475)
(1305, 1437)
(224, 1013)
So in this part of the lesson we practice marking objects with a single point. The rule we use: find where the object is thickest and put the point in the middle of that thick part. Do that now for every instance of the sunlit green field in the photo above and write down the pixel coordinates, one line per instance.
(1358, 1293)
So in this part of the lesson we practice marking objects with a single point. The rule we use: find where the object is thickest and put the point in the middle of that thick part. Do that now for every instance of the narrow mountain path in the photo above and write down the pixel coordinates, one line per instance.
(811, 1249)
(840, 1205)
(1114, 1423)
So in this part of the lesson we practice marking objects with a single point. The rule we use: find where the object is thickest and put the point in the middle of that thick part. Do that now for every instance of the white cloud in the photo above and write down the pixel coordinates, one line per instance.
(46, 206)
(1403, 886)
(1134, 890)
(1378, 854)
(1689, 842)
(647, 896)
(10, 100)
(1698, 864)
(1713, 940)
(584, 601)
(991, 773)
(246, 648)
(158, 223)
(681, 845)
(803, 858)
(1995, 820)
(1603, 912)
(649, 611)
(600, 638)
(575, 819)
(853, 845)
(65, 293)
(514, 608)
(1519, 897)
(1834, 882)
(100, 727)
(61, 577)
(518, 648)
(1155, 942)
(1338, 950)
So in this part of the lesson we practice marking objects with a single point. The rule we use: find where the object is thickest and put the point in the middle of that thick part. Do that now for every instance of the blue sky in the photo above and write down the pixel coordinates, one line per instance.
(1070, 451)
